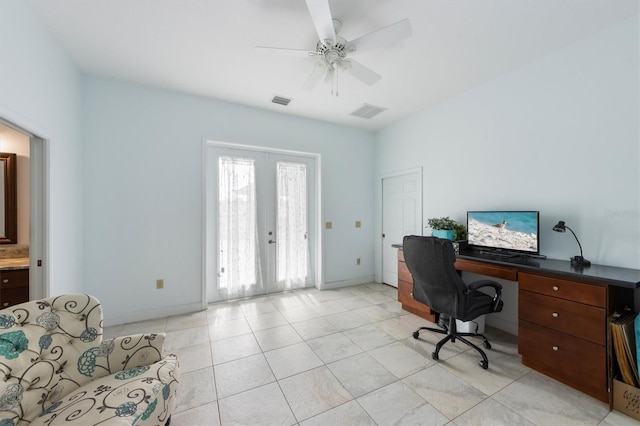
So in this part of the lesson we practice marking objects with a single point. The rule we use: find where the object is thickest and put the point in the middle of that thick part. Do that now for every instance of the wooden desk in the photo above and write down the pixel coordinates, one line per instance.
(563, 314)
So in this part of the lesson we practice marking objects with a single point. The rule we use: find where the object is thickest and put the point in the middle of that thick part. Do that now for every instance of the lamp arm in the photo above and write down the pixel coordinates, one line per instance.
(578, 241)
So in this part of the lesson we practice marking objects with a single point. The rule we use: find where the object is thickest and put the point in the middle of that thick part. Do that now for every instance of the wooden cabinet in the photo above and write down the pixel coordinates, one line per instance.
(405, 293)
(563, 314)
(562, 331)
(14, 287)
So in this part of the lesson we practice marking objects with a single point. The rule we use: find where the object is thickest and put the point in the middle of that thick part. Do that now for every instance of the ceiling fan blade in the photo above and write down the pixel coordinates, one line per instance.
(299, 53)
(317, 75)
(382, 37)
(362, 73)
(322, 20)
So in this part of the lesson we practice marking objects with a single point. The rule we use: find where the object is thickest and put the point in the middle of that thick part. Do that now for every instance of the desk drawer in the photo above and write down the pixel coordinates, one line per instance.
(574, 361)
(498, 271)
(565, 289)
(405, 296)
(583, 321)
(403, 273)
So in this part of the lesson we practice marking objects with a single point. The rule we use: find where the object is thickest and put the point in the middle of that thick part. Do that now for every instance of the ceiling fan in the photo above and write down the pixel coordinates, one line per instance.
(332, 52)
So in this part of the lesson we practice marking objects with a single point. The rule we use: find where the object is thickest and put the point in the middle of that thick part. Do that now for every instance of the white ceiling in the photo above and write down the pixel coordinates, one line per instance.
(206, 47)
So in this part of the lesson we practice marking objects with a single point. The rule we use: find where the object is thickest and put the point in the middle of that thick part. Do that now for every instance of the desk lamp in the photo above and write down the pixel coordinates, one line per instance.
(576, 260)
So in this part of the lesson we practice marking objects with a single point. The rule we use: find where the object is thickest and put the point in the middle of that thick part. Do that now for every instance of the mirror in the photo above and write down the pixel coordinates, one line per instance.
(8, 199)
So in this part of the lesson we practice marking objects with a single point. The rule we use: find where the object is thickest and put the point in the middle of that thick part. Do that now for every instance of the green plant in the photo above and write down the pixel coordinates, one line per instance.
(446, 223)
(442, 223)
(459, 232)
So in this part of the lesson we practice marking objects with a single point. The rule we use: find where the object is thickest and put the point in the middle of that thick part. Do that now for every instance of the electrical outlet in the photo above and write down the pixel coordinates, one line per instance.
(159, 284)
(357, 261)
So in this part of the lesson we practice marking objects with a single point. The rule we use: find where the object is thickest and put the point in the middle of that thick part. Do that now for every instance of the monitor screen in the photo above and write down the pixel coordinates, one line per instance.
(517, 231)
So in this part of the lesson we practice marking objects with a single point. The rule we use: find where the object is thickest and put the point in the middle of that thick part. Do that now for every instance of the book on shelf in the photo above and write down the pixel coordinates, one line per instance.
(623, 335)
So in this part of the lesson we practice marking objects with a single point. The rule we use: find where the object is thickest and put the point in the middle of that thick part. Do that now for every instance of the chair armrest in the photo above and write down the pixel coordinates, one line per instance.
(126, 352)
(485, 283)
(474, 286)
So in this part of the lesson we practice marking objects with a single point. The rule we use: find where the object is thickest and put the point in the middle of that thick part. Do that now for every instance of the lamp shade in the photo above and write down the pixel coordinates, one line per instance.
(560, 227)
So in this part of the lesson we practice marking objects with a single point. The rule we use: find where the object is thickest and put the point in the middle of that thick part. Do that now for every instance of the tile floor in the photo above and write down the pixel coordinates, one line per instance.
(344, 357)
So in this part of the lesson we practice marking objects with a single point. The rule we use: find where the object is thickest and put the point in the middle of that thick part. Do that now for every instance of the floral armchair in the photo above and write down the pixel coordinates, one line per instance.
(56, 369)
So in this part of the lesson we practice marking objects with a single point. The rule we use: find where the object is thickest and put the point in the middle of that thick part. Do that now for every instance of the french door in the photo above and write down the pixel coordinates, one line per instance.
(261, 213)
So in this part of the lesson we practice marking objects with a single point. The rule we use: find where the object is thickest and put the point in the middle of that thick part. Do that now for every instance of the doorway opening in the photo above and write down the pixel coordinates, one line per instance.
(30, 250)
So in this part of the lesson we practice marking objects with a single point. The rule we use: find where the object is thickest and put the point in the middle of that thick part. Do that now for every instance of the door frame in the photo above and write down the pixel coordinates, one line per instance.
(318, 276)
(39, 202)
(380, 208)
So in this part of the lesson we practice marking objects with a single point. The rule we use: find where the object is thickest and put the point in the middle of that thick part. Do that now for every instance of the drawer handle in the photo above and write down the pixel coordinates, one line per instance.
(555, 315)
(6, 280)
(555, 348)
(556, 288)
(5, 304)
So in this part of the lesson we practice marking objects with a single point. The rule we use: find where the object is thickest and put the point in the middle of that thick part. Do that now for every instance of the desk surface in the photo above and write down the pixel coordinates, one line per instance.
(612, 275)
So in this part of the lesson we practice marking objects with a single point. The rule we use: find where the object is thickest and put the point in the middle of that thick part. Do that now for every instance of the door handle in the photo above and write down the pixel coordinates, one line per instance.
(272, 241)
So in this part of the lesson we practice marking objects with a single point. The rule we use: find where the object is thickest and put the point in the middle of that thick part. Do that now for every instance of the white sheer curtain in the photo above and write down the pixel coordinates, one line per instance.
(292, 268)
(239, 260)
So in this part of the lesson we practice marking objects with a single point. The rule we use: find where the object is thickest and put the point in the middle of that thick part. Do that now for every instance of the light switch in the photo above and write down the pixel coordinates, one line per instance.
(329, 225)
(358, 224)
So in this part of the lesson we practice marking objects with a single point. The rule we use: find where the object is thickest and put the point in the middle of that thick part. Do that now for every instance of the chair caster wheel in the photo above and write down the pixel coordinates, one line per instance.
(484, 364)
(487, 345)
(435, 356)
(415, 334)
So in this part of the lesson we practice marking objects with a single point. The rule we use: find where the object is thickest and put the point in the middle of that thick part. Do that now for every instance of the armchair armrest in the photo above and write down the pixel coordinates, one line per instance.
(126, 352)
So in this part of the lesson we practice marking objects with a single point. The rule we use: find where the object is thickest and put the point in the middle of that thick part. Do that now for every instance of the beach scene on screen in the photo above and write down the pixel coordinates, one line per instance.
(505, 230)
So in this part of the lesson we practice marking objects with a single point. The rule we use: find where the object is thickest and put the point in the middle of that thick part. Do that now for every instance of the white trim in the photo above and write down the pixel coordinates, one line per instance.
(151, 314)
(203, 234)
(40, 157)
(319, 265)
(379, 207)
(350, 282)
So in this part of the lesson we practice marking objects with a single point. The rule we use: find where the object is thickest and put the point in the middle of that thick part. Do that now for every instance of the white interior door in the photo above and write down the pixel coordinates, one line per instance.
(401, 215)
(260, 214)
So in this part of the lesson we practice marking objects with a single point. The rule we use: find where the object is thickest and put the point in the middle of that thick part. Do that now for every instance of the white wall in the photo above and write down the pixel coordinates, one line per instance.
(39, 90)
(560, 135)
(143, 183)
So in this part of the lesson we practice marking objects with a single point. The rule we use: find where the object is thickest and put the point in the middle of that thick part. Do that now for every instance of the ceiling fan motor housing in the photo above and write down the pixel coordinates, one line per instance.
(332, 52)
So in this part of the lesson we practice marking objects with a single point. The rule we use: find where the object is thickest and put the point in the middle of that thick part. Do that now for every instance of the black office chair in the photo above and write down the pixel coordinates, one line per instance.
(436, 283)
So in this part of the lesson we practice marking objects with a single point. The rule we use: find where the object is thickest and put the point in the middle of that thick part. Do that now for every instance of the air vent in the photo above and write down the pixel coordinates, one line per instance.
(367, 111)
(280, 100)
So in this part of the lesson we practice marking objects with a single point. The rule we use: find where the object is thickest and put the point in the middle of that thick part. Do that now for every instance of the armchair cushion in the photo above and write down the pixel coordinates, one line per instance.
(55, 368)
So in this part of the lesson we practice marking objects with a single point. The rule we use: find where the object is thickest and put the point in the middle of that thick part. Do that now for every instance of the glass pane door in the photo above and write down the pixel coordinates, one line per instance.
(260, 215)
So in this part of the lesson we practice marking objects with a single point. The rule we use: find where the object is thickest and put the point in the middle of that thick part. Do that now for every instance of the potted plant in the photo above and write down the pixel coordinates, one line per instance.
(442, 227)
(445, 227)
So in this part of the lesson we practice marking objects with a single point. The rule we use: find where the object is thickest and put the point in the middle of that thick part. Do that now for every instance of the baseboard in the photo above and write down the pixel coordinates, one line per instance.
(166, 311)
(501, 324)
(347, 283)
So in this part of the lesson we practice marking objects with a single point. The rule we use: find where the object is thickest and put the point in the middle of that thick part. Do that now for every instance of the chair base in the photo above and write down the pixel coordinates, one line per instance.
(452, 335)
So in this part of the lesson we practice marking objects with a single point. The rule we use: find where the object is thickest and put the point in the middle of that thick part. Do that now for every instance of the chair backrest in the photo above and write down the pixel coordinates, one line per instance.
(436, 282)
(42, 343)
